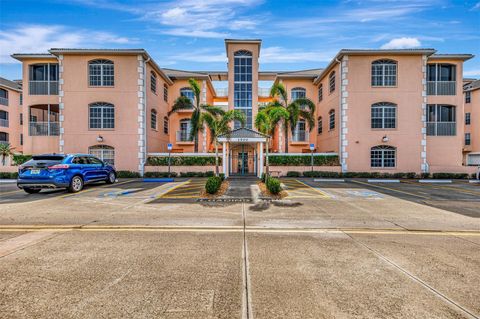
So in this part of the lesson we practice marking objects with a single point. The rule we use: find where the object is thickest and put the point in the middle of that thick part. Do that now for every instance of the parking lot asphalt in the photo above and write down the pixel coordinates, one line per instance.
(357, 250)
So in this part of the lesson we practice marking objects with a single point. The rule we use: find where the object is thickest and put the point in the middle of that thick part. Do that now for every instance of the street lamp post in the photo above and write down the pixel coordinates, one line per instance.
(312, 147)
(169, 147)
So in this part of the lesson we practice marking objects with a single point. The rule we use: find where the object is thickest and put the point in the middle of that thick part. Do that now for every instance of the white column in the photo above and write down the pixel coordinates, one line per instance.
(260, 165)
(224, 159)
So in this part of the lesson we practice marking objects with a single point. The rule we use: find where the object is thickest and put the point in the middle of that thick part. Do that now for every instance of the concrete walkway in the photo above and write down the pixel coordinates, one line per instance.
(240, 187)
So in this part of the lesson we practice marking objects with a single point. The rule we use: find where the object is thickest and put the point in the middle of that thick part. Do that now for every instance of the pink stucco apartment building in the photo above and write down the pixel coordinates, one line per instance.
(379, 110)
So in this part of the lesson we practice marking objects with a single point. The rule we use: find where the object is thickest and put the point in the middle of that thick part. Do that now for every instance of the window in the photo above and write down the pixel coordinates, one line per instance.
(4, 97)
(242, 85)
(441, 120)
(384, 73)
(94, 160)
(153, 120)
(467, 139)
(21, 118)
(467, 118)
(165, 93)
(21, 98)
(468, 97)
(4, 137)
(188, 92)
(331, 81)
(3, 118)
(165, 125)
(299, 134)
(153, 82)
(320, 125)
(104, 152)
(441, 79)
(298, 93)
(320, 93)
(184, 134)
(21, 138)
(43, 79)
(382, 156)
(101, 73)
(331, 120)
(384, 115)
(101, 116)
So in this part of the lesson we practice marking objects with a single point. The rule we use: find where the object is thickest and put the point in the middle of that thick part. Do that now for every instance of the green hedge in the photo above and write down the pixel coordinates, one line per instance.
(183, 161)
(159, 174)
(213, 184)
(273, 185)
(127, 174)
(197, 174)
(293, 174)
(302, 160)
(19, 159)
(8, 175)
(410, 175)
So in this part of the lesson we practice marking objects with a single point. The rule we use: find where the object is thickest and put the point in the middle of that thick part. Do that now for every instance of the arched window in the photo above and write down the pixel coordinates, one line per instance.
(3, 138)
(331, 120)
(320, 93)
(384, 73)
(165, 125)
(384, 115)
(153, 120)
(383, 156)
(165, 93)
(331, 82)
(104, 152)
(242, 53)
(320, 125)
(153, 82)
(298, 93)
(101, 72)
(101, 116)
(188, 92)
(4, 97)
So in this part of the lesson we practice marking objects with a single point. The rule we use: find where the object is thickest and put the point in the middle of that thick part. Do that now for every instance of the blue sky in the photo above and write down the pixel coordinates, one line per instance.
(188, 34)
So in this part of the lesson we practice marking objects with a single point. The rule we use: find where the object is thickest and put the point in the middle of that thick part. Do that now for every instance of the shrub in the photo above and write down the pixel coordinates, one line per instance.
(322, 174)
(8, 175)
(263, 177)
(213, 184)
(303, 160)
(183, 161)
(197, 174)
(222, 176)
(159, 174)
(128, 174)
(273, 185)
(19, 159)
(450, 175)
(293, 174)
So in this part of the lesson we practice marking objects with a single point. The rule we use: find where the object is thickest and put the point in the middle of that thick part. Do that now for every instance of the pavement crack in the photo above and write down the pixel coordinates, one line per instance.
(410, 275)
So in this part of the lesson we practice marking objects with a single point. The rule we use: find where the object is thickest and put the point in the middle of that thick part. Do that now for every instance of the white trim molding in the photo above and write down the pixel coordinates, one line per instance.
(61, 105)
(423, 142)
(343, 129)
(141, 93)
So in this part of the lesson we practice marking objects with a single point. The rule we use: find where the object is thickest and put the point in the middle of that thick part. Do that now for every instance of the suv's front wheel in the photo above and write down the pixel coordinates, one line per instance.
(76, 184)
(111, 178)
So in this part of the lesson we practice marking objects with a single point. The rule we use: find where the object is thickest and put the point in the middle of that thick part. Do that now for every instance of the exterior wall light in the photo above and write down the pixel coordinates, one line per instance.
(385, 139)
(100, 139)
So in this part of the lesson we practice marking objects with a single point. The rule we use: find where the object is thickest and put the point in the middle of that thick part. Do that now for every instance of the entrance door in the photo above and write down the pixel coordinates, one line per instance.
(242, 163)
(242, 160)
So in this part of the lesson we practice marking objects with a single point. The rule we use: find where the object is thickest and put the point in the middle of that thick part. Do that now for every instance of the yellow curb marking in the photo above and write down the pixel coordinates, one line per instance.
(461, 190)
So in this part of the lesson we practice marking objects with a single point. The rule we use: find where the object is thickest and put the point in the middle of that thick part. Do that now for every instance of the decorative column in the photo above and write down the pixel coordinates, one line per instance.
(224, 159)
(260, 165)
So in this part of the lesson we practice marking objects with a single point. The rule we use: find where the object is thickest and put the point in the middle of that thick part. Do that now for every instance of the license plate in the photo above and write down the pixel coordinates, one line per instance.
(34, 171)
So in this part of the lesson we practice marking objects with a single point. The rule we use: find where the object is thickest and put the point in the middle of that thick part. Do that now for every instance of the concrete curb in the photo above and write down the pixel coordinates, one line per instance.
(383, 181)
(158, 180)
(328, 180)
(474, 181)
(7, 181)
(433, 181)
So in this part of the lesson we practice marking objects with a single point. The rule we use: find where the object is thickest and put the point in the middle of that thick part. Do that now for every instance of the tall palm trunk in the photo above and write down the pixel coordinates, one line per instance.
(216, 158)
(195, 143)
(286, 136)
(267, 172)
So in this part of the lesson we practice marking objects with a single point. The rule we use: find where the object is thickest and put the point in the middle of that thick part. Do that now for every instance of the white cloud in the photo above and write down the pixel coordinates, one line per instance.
(40, 38)
(283, 55)
(402, 43)
(476, 6)
(473, 72)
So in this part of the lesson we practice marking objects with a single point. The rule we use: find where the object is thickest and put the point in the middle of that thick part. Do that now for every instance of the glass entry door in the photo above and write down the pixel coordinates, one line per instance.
(242, 163)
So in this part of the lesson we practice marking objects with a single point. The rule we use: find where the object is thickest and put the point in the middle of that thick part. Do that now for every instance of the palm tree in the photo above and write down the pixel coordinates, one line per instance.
(5, 152)
(219, 124)
(184, 103)
(266, 120)
(302, 108)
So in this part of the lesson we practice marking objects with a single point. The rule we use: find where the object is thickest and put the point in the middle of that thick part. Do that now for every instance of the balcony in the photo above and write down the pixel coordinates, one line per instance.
(43, 88)
(4, 142)
(221, 91)
(441, 128)
(4, 122)
(44, 129)
(441, 87)
(264, 92)
(184, 136)
(300, 137)
(4, 101)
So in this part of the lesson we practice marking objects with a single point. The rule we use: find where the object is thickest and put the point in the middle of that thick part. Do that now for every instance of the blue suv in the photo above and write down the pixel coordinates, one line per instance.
(70, 171)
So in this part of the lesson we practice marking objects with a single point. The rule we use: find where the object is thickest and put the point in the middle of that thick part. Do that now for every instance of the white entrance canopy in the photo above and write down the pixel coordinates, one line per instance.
(243, 136)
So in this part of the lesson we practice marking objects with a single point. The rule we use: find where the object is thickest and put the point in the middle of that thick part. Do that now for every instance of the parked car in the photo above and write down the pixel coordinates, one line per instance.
(70, 171)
